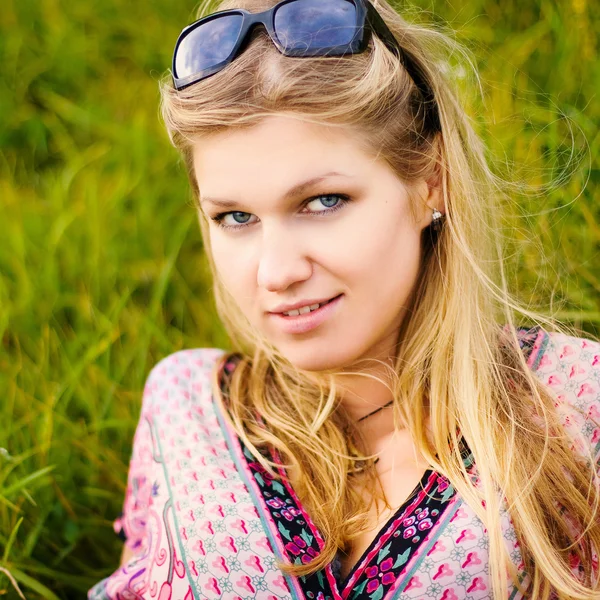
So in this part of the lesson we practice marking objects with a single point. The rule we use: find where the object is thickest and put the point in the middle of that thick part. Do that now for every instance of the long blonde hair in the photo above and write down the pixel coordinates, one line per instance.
(455, 364)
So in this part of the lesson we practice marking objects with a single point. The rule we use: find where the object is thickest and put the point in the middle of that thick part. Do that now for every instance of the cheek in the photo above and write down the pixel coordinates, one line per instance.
(233, 267)
(381, 248)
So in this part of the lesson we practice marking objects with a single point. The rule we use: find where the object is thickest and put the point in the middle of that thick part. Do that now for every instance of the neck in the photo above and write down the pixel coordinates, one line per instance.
(361, 397)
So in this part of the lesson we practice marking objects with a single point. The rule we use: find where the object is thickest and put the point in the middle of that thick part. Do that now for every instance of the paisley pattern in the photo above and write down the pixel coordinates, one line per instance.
(204, 521)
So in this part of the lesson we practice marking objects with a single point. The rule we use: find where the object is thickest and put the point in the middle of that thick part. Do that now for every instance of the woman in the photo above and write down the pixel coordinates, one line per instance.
(383, 429)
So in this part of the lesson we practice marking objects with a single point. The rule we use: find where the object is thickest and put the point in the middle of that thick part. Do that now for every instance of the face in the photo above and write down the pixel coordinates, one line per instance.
(347, 233)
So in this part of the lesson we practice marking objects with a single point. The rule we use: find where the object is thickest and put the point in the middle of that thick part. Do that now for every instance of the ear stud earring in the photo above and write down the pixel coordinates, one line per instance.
(438, 220)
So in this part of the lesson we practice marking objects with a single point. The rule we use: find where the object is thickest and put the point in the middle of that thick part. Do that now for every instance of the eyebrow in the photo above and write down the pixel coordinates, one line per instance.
(294, 191)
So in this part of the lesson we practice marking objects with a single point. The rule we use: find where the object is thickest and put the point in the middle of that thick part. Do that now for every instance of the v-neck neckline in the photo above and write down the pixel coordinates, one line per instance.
(381, 531)
(382, 565)
(378, 565)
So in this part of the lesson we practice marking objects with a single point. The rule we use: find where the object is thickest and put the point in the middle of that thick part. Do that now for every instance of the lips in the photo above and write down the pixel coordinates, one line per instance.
(300, 305)
(306, 322)
(321, 305)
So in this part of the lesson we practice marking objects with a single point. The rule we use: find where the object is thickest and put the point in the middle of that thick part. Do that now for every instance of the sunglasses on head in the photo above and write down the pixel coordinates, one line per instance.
(298, 28)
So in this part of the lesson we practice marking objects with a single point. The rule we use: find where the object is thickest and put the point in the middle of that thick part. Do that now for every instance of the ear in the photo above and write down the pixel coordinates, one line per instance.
(430, 194)
(430, 190)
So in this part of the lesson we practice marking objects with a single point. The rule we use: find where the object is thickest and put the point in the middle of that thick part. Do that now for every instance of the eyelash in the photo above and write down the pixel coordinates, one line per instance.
(218, 219)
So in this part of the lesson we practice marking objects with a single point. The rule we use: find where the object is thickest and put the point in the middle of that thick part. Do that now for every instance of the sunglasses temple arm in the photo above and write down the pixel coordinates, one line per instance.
(378, 25)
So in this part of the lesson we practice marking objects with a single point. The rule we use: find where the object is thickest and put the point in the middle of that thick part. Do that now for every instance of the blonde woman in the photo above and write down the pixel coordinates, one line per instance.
(384, 428)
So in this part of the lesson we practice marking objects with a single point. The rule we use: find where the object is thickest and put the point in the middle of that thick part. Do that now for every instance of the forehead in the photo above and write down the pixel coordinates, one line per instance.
(277, 151)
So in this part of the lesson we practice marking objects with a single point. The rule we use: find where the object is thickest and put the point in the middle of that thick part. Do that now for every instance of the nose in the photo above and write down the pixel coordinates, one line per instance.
(282, 261)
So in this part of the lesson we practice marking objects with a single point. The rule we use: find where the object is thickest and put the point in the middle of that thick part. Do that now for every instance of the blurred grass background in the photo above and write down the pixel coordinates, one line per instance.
(102, 271)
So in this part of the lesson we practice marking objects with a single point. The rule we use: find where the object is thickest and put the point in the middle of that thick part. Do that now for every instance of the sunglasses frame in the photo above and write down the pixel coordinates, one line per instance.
(368, 21)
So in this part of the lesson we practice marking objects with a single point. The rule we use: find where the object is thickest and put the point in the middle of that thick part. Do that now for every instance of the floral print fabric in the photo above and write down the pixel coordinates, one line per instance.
(203, 520)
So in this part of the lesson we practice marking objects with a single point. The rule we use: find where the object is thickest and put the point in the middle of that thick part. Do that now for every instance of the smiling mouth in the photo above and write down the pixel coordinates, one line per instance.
(308, 321)
(305, 310)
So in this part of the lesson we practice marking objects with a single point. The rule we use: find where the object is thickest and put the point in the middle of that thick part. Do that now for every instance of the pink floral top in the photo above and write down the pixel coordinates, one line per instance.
(204, 520)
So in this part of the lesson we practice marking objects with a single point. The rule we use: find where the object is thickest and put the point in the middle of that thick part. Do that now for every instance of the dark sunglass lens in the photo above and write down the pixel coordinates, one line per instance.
(207, 45)
(315, 23)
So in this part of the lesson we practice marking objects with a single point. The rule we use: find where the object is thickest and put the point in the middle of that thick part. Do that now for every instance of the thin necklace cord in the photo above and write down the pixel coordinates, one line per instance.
(375, 411)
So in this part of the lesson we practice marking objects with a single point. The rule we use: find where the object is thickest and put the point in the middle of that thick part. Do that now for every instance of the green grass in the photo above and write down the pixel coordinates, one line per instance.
(102, 271)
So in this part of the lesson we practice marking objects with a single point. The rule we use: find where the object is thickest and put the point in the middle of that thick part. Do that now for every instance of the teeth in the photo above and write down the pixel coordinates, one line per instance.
(303, 310)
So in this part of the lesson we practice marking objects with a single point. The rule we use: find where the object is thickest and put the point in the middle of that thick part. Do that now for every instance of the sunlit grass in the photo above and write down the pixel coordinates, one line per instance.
(101, 265)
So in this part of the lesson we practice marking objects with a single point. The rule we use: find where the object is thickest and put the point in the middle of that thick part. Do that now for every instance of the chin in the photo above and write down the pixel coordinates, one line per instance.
(313, 360)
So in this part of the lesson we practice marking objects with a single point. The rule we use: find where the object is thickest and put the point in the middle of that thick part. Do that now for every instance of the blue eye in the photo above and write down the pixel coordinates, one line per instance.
(328, 197)
(327, 200)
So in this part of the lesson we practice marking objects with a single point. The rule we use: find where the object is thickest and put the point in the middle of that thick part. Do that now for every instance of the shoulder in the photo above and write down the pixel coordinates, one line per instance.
(567, 363)
(180, 376)
(569, 366)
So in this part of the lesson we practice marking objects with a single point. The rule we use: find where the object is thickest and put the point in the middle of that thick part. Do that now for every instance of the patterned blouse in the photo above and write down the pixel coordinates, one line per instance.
(204, 520)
